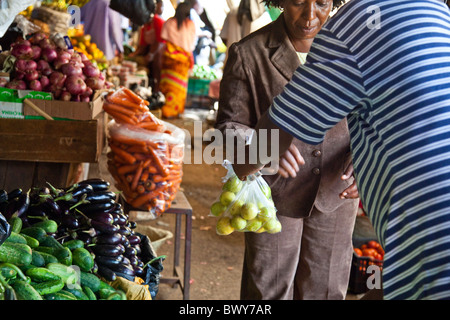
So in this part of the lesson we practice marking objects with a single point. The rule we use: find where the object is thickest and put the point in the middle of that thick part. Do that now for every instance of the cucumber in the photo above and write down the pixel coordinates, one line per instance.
(32, 242)
(48, 258)
(67, 274)
(51, 242)
(90, 280)
(35, 232)
(50, 226)
(114, 296)
(46, 250)
(105, 293)
(104, 285)
(37, 259)
(60, 295)
(48, 287)
(25, 291)
(16, 238)
(16, 253)
(64, 256)
(41, 274)
(89, 293)
(82, 258)
(77, 292)
(16, 224)
(74, 244)
(7, 272)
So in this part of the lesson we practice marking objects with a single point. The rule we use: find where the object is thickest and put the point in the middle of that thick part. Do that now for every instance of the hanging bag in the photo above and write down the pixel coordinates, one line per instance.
(138, 11)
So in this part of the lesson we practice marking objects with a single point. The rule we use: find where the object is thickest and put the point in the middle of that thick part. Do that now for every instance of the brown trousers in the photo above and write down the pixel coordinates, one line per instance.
(309, 260)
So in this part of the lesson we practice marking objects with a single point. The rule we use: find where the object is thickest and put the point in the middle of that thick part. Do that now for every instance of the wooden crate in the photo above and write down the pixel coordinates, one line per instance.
(52, 141)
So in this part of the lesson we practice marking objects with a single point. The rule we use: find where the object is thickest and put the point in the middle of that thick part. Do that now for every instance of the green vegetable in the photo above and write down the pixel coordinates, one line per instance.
(64, 256)
(89, 293)
(114, 296)
(48, 287)
(19, 272)
(7, 272)
(74, 244)
(67, 274)
(105, 293)
(91, 281)
(42, 274)
(48, 258)
(35, 232)
(51, 242)
(77, 292)
(46, 250)
(16, 224)
(16, 238)
(37, 259)
(82, 258)
(50, 226)
(25, 291)
(8, 292)
(60, 295)
(32, 242)
(16, 253)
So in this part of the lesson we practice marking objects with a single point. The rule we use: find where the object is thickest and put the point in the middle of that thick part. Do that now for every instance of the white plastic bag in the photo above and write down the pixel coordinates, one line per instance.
(9, 10)
(245, 206)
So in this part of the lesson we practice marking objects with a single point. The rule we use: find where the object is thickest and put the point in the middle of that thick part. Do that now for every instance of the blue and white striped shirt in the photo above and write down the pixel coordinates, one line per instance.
(385, 64)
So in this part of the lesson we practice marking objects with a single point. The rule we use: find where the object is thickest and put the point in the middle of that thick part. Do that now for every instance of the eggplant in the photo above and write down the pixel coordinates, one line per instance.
(97, 184)
(125, 241)
(113, 238)
(134, 261)
(82, 189)
(3, 196)
(103, 217)
(125, 260)
(100, 196)
(131, 224)
(14, 194)
(53, 207)
(124, 230)
(119, 218)
(130, 251)
(35, 211)
(108, 250)
(70, 221)
(107, 273)
(104, 206)
(126, 269)
(108, 261)
(138, 271)
(23, 202)
(103, 227)
(138, 249)
(134, 239)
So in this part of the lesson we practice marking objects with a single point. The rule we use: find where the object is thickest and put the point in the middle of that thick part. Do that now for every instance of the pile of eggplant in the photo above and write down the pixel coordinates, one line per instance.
(88, 211)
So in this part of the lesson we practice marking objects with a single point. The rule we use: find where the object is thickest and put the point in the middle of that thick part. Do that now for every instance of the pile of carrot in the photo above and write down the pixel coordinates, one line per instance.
(148, 172)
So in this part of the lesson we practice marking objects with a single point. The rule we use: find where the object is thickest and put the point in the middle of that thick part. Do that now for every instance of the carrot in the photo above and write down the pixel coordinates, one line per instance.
(138, 149)
(145, 175)
(127, 140)
(150, 126)
(137, 176)
(158, 162)
(123, 154)
(127, 168)
(142, 199)
(116, 108)
(132, 95)
(140, 189)
(124, 101)
(120, 117)
(152, 169)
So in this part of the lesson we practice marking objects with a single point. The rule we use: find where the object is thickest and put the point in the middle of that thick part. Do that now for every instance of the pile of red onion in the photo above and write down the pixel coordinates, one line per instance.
(42, 66)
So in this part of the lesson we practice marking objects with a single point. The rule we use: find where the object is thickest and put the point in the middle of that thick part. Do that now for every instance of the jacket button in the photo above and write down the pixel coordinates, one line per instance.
(316, 171)
(317, 153)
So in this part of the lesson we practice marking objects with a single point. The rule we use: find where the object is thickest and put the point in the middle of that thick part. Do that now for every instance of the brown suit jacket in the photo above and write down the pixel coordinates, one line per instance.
(257, 69)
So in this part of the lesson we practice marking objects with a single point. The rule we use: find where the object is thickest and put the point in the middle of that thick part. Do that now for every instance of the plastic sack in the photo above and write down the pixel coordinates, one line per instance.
(146, 165)
(9, 9)
(138, 11)
(245, 206)
(5, 229)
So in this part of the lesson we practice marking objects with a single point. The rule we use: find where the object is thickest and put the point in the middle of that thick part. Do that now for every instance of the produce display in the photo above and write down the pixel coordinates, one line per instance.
(53, 230)
(43, 65)
(146, 153)
(245, 206)
(204, 72)
(82, 43)
(372, 249)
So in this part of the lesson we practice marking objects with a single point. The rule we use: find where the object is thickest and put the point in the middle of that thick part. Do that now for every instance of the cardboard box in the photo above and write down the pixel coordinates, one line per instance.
(12, 106)
(52, 141)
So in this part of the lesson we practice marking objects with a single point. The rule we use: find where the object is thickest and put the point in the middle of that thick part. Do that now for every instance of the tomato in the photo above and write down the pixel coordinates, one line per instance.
(364, 246)
(369, 252)
(373, 244)
(378, 256)
(380, 250)
(358, 252)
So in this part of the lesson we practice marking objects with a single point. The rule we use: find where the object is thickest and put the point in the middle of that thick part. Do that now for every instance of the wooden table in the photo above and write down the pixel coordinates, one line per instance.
(180, 206)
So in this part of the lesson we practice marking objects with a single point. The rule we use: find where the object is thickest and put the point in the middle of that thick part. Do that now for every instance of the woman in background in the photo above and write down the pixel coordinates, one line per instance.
(177, 59)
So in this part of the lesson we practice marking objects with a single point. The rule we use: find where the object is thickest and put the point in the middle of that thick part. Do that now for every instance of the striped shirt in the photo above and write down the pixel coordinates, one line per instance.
(385, 65)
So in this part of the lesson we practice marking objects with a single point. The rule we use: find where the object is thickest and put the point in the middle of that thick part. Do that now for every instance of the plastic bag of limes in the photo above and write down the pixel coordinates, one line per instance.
(245, 206)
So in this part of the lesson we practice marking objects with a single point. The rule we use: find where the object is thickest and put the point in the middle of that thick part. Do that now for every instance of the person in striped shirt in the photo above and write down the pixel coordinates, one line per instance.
(385, 65)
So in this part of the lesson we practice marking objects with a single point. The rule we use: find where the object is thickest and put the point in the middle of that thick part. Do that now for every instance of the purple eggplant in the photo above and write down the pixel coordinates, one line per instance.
(131, 224)
(119, 218)
(103, 227)
(130, 251)
(108, 261)
(126, 269)
(97, 184)
(103, 217)
(113, 238)
(108, 250)
(134, 239)
(14, 194)
(138, 271)
(70, 221)
(101, 196)
(124, 230)
(106, 272)
(104, 206)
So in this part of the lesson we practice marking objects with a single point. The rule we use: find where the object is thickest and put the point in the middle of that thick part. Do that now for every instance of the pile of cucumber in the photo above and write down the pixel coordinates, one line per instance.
(63, 241)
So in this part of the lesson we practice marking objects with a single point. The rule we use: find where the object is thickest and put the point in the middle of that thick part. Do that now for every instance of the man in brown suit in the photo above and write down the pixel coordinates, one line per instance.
(316, 202)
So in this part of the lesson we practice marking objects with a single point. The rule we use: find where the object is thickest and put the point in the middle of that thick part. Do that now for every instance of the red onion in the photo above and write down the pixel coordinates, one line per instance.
(25, 65)
(91, 70)
(85, 98)
(84, 59)
(75, 85)
(58, 62)
(76, 98)
(47, 43)
(65, 96)
(36, 52)
(44, 81)
(19, 75)
(56, 91)
(37, 37)
(65, 54)
(95, 83)
(49, 54)
(70, 69)
(31, 75)
(22, 51)
(57, 79)
(35, 85)
(42, 65)
(88, 92)
(17, 84)
(47, 72)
